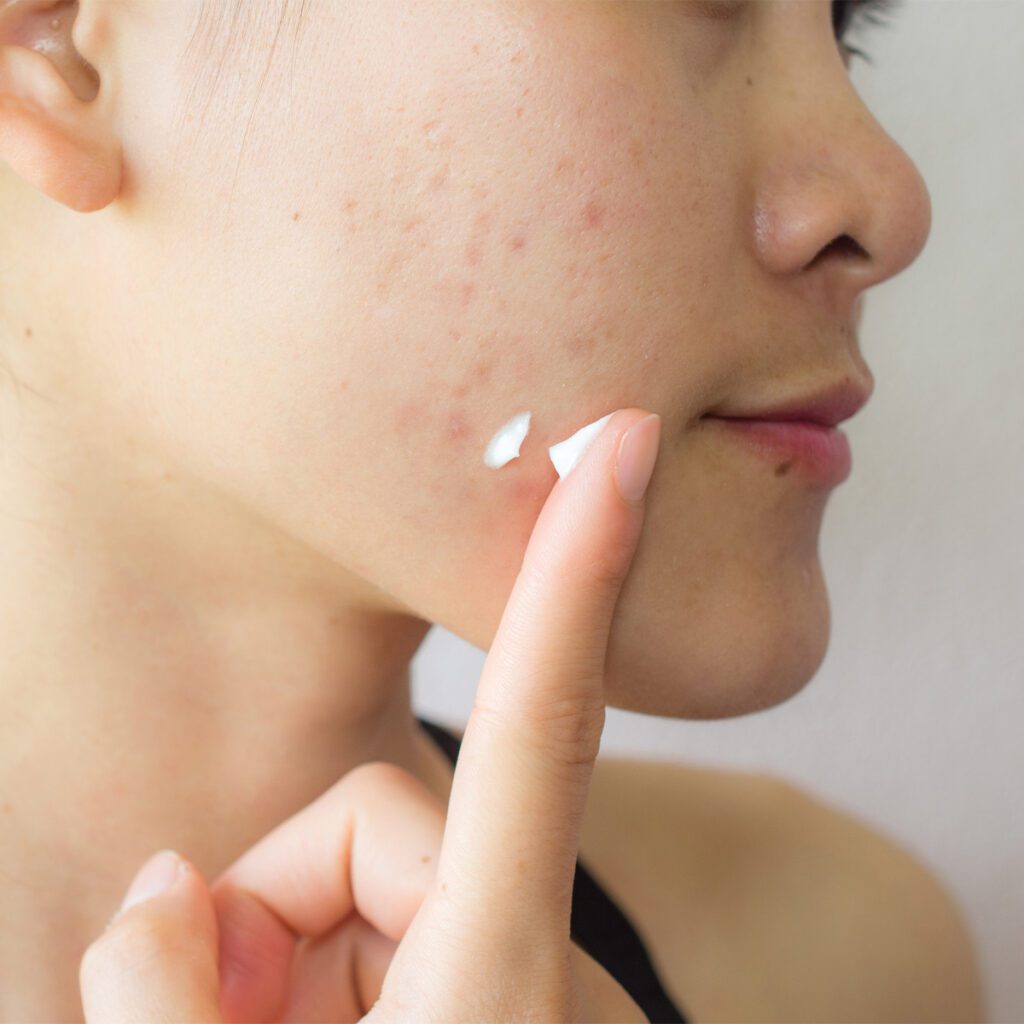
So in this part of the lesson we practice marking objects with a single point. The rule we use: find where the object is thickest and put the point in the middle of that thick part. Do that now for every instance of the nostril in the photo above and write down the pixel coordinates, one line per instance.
(843, 246)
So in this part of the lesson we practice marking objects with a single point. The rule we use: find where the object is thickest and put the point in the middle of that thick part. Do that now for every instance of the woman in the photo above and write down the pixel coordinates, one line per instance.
(274, 276)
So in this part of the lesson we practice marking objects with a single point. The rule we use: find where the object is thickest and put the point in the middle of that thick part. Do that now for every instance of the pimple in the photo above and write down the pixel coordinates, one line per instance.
(593, 214)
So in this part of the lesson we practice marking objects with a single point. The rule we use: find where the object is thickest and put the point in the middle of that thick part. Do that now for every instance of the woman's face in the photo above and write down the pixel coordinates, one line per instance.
(342, 278)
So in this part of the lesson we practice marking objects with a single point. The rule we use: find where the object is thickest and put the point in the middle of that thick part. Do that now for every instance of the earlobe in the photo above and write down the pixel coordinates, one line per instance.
(60, 144)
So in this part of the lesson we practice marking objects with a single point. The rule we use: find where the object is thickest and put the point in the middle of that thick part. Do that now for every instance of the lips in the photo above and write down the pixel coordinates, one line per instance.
(819, 454)
(827, 407)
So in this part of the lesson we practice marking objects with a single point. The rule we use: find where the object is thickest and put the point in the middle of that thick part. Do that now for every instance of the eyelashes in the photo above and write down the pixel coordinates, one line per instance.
(848, 15)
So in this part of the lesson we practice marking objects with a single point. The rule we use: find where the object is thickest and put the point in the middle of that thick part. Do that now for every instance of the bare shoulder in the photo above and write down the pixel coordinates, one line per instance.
(760, 901)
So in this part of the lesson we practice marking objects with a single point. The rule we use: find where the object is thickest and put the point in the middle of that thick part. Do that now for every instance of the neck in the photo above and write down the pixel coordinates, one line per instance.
(174, 674)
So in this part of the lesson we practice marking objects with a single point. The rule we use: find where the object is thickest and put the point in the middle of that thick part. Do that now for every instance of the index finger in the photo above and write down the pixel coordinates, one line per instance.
(520, 787)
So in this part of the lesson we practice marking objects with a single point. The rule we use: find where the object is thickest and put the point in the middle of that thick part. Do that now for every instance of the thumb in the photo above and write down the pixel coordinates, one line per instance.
(157, 959)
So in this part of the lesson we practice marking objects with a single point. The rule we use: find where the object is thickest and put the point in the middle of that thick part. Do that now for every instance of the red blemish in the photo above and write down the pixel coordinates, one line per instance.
(516, 242)
(461, 391)
(593, 214)
(410, 224)
(409, 415)
(468, 292)
(473, 254)
(457, 428)
(519, 111)
(344, 384)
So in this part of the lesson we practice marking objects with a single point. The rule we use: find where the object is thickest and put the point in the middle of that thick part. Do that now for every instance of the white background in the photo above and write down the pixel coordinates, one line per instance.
(914, 720)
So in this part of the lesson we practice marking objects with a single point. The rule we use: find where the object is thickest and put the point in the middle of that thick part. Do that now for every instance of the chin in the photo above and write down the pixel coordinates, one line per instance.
(712, 662)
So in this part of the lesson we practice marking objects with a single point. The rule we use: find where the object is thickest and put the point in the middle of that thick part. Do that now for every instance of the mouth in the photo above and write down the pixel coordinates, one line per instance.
(802, 434)
(816, 452)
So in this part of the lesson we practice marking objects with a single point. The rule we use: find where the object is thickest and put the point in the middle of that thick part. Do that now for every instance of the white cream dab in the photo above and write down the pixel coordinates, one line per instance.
(506, 442)
(567, 453)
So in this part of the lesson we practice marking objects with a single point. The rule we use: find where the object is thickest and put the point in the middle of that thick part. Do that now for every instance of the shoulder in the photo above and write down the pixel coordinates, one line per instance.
(760, 899)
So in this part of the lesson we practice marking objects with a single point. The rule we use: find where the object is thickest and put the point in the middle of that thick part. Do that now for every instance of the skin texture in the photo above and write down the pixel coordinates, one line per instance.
(270, 286)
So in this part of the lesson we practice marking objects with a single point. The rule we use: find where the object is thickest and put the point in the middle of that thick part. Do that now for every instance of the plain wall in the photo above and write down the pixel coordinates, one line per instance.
(913, 720)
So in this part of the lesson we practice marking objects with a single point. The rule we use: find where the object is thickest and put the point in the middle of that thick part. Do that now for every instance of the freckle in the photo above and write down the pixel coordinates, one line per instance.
(425, 860)
(593, 214)
(516, 242)
(476, 47)
(457, 428)
(28, 332)
(351, 205)
(750, 81)
(295, 215)
(517, 57)
(783, 468)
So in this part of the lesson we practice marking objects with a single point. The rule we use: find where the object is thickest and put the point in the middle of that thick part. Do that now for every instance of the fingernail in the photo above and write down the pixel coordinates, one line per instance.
(157, 875)
(638, 451)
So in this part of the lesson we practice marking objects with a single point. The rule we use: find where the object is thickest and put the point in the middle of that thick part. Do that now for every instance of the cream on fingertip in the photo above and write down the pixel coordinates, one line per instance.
(567, 453)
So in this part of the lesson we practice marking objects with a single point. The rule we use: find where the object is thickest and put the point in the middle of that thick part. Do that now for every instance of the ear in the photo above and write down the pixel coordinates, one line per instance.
(58, 129)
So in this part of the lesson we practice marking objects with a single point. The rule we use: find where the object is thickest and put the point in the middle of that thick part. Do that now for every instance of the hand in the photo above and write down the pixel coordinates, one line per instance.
(389, 904)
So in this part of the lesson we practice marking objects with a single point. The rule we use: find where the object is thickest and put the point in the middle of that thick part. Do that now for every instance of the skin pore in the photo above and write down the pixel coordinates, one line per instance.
(255, 336)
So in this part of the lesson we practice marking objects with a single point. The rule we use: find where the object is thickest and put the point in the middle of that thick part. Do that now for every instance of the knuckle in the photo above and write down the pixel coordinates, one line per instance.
(565, 729)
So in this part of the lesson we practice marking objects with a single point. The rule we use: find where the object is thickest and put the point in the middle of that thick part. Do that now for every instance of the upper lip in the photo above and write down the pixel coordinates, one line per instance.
(828, 407)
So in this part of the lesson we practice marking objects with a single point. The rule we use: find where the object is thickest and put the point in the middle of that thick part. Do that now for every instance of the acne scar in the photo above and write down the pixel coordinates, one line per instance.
(440, 179)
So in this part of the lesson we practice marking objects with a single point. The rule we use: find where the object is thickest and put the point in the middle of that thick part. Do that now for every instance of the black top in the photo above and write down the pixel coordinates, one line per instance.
(600, 928)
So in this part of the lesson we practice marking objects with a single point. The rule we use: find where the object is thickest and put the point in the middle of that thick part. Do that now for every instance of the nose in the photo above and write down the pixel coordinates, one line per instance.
(836, 200)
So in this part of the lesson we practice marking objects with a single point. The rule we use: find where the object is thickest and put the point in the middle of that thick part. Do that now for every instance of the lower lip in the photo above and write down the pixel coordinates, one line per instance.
(819, 453)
